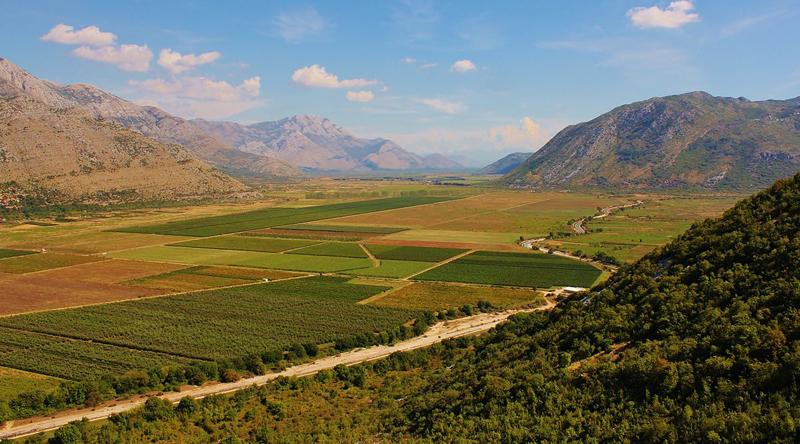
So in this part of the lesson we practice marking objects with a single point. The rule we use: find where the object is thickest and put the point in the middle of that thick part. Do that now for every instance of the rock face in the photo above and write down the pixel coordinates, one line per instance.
(66, 155)
(317, 144)
(692, 140)
(506, 164)
(149, 121)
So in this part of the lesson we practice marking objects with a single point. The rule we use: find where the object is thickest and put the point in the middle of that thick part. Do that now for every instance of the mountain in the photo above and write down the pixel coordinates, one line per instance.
(506, 164)
(692, 140)
(317, 144)
(697, 342)
(56, 155)
(147, 120)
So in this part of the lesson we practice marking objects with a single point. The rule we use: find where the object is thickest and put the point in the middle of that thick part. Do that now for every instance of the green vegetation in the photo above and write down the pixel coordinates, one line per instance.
(225, 323)
(343, 228)
(199, 278)
(280, 261)
(42, 261)
(392, 269)
(246, 243)
(15, 382)
(335, 249)
(435, 297)
(697, 342)
(418, 254)
(4, 253)
(272, 217)
(515, 269)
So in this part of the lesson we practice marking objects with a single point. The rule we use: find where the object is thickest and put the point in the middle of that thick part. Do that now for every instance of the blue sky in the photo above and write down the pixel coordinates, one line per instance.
(474, 80)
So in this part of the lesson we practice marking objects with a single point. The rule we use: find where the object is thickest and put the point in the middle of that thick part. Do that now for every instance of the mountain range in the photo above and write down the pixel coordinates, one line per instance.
(506, 164)
(692, 140)
(317, 144)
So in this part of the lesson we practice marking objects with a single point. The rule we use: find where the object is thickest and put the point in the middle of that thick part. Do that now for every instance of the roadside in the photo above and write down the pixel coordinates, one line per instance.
(436, 333)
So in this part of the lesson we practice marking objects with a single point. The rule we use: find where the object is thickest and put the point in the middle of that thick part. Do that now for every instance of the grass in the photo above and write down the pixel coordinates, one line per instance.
(225, 323)
(515, 269)
(272, 217)
(42, 261)
(343, 228)
(253, 259)
(418, 254)
(15, 382)
(4, 253)
(336, 249)
(246, 243)
(392, 269)
(435, 297)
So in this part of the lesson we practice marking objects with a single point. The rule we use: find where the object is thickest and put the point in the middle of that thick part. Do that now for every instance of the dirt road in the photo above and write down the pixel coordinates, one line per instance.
(437, 333)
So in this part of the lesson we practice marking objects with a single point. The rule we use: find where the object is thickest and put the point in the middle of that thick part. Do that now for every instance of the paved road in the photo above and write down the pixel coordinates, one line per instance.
(437, 333)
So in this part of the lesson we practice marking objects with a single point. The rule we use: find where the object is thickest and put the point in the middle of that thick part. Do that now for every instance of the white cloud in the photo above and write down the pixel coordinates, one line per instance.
(295, 26)
(315, 76)
(463, 66)
(200, 96)
(428, 65)
(90, 35)
(444, 106)
(125, 57)
(409, 60)
(677, 14)
(177, 63)
(360, 96)
(528, 134)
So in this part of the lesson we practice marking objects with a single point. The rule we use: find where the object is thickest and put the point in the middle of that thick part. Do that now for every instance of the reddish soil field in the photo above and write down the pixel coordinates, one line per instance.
(78, 285)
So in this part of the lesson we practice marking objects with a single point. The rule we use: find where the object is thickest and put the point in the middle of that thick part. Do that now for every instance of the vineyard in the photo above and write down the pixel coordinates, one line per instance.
(4, 253)
(246, 243)
(392, 269)
(343, 228)
(335, 249)
(418, 254)
(215, 324)
(515, 269)
(42, 261)
(273, 217)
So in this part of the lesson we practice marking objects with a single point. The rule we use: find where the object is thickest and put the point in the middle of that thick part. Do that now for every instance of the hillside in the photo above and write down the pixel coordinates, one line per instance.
(317, 144)
(506, 164)
(692, 140)
(696, 342)
(67, 155)
(149, 121)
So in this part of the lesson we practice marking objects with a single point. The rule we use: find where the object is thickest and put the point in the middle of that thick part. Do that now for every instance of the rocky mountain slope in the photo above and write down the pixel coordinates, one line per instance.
(506, 164)
(149, 121)
(692, 140)
(315, 143)
(66, 155)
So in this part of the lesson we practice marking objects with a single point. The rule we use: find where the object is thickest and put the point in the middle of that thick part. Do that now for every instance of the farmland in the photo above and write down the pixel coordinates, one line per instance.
(515, 269)
(223, 323)
(246, 243)
(433, 297)
(333, 249)
(418, 254)
(199, 278)
(42, 261)
(17, 381)
(273, 217)
(4, 253)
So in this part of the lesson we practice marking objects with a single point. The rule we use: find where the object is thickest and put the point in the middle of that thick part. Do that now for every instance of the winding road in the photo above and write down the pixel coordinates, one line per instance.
(436, 333)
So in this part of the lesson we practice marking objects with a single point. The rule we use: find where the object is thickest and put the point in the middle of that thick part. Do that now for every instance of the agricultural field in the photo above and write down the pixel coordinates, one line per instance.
(273, 217)
(246, 243)
(362, 229)
(253, 259)
(435, 297)
(633, 232)
(515, 269)
(201, 278)
(13, 382)
(392, 269)
(417, 254)
(212, 324)
(42, 261)
(334, 249)
(4, 253)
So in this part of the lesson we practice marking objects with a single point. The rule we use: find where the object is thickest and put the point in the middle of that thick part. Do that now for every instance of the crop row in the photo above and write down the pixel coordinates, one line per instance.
(226, 323)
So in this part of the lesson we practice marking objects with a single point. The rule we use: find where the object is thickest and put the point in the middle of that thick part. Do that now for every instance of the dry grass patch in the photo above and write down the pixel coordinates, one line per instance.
(434, 297)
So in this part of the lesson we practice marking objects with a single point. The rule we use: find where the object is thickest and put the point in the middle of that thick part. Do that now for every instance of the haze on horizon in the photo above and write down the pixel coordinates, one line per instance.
(465, 79)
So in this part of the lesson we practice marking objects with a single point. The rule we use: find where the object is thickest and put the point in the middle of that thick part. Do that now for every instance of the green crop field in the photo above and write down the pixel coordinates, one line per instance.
(13, 382)
(419, 254)
(279, 261)
(343, 228)
(4, 253)
(337, 249)
(246, 243)
(213, 324)
(199, 278)
(42, 261)
(435, 296)
(273, 217)
(392, 269)
(515, 269)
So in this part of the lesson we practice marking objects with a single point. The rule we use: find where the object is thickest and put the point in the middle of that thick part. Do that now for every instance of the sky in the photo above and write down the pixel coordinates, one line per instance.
(473, 80)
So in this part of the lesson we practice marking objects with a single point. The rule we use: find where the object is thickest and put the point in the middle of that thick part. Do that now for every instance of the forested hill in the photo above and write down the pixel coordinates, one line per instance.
(696, 342)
